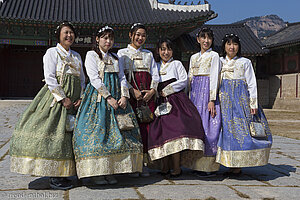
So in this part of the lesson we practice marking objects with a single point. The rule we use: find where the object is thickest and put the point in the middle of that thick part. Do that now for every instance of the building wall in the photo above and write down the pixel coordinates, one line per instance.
(263, 90)
(280, 91)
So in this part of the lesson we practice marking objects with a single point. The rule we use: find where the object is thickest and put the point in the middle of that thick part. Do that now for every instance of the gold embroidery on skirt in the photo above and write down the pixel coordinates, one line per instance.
(112, 164)
(175, 146)
(195, 161)
(42, 167)
(243, 158)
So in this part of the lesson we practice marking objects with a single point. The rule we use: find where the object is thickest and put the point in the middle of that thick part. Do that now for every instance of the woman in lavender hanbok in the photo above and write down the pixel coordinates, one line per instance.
(203, 84)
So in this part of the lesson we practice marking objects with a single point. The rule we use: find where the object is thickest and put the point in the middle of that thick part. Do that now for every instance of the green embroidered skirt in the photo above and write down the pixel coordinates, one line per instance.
(40, 145)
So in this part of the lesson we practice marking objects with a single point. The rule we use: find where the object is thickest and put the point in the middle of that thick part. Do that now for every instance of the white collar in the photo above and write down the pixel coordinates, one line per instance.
(133, 49)
(169, 61)
(63, 50)
(103, 53)
(228, 60)
(209, 50)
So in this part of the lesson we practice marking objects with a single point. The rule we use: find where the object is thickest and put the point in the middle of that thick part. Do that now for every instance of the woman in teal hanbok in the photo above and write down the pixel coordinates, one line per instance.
(101, 146)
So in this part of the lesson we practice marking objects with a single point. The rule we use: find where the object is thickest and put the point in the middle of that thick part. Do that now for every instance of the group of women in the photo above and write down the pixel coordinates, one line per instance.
(115, 130)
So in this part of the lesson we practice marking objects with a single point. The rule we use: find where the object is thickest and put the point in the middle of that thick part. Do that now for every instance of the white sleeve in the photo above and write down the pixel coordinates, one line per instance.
(180, 83)
(50, 65)
(92, 71)
(214, 77)
(121, 59)
(154, 73)
(251, 82)
(122, 79)
(119, 53)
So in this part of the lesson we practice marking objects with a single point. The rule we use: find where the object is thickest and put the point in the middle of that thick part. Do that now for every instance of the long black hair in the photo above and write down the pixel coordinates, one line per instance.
(60, 26)
(106, 30)
(206, 31)
(231, 38)
(169, 44)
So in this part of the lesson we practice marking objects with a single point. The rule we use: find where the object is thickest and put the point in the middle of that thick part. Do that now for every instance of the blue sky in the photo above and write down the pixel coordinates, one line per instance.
(230, 11)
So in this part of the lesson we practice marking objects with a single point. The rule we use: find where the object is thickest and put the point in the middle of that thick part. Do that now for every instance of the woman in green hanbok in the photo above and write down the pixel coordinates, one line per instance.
(41, 144)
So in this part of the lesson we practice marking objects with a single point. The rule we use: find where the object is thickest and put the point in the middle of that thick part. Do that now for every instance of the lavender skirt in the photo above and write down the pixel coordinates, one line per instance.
(212, 126)
(179, 130)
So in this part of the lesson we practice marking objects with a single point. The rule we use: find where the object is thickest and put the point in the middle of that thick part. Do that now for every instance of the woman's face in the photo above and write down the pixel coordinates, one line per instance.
(205, 42)
(66, 37)
(231, 49)
(138, 38)
(165, 53)
(105, 42)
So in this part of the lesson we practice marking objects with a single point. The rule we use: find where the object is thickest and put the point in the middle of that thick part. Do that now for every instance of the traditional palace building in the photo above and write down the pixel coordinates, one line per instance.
(282, 67)
(27, 30)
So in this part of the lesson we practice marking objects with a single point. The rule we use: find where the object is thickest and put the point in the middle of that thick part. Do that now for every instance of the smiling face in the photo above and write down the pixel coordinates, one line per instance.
(205, 42)
(231, 48)
(165, 53)
(66, 37)
(105, 42)
(138, 38)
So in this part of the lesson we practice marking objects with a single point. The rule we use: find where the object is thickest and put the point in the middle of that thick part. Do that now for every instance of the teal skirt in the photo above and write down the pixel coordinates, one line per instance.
(40, 145)
(100, 148)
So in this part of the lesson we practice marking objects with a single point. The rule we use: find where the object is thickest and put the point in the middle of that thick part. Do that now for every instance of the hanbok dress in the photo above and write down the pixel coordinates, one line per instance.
(203, 87)
(141, 71)
(100, 147)
(41, 144)
(181, 130)
(238, 94)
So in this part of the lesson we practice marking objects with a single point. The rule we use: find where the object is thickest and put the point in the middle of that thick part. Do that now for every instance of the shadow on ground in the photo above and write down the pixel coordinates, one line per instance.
(263, 173)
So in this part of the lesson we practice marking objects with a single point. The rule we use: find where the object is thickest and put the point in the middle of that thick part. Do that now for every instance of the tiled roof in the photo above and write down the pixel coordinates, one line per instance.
(289, 35)
(117, 12)
(251, 45)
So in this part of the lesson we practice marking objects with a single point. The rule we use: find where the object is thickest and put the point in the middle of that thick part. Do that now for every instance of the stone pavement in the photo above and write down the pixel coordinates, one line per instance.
(279, 180)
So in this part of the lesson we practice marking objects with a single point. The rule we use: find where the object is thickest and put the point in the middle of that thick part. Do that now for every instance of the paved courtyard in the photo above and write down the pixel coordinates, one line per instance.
(278, 180)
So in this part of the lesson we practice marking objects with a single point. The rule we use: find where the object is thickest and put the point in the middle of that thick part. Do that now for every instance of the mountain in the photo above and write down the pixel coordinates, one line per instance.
(264, 25)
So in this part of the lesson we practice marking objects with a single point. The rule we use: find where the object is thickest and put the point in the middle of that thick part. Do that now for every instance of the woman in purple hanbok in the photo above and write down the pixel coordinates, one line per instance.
(203, 84)
(178, 133)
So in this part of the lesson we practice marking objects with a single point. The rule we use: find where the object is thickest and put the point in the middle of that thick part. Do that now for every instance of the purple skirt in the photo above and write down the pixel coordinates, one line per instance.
(179, 130)
(212, 126)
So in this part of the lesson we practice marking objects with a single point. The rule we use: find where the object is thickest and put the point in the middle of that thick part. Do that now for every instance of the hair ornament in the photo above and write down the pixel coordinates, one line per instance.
(203, 29)
(135, 24)
(105, 28)
(231, 35)
(62, 24)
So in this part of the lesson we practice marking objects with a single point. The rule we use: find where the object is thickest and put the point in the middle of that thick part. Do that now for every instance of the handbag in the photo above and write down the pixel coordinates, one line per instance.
(144, 114)
(163, 109)
(124, 122)
(257, 129)
(70, 121)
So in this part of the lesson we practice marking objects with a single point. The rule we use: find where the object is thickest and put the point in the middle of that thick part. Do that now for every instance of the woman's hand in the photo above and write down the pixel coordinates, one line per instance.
(137, 94)
(148, 94)
(162, 94)
(122, 102)
(212, 109)
(76, 104)
(67, 103)
(253, 111)
(112, 102)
